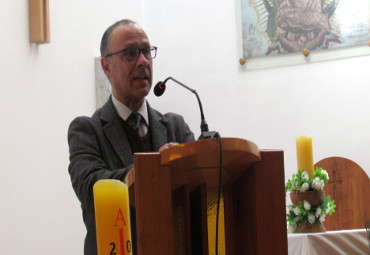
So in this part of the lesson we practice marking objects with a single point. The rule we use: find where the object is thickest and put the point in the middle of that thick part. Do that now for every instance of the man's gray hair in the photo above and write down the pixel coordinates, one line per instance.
(107, 34)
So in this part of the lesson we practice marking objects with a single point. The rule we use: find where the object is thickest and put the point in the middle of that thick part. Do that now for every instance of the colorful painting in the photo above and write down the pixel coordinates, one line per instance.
(276, 27)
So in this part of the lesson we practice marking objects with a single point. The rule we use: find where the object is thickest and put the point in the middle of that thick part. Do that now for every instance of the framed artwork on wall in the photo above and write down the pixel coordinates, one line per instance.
(102, 85)
(274, 29)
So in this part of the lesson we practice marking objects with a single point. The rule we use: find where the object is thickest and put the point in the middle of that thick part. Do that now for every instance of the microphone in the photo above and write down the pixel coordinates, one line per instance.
(159, 89)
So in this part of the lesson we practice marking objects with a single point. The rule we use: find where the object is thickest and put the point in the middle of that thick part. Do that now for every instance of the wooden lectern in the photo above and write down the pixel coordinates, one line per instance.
(169, 190)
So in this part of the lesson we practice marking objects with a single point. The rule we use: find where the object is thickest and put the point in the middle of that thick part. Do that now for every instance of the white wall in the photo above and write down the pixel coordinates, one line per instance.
(197, 43)
(44, 87)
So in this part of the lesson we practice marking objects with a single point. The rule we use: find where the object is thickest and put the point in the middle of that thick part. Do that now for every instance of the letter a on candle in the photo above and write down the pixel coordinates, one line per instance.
(112, 217)
(120, 217)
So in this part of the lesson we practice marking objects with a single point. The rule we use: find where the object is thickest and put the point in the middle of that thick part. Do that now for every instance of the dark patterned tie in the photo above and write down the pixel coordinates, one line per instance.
(134, 121)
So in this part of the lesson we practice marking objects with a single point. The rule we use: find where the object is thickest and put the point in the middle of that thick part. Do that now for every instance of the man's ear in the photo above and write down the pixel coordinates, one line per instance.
(105, 66)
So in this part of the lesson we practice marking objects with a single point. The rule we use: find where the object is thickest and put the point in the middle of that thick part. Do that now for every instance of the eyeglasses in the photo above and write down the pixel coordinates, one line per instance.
(133, 53)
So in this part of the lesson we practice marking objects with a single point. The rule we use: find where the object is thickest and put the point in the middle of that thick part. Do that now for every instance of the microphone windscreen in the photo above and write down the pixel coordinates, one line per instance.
(159, 89)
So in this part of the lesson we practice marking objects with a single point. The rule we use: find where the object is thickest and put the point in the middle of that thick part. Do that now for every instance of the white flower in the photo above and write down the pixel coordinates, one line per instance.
(328, 209)
(317, 184)
(292, 227)
(296, 211)
(311, 218)
(298, 218)
(325, 173)
(305, 175)
(305, 187)
(306, 205)
(318, 212)
(295, 186)
(322, 218)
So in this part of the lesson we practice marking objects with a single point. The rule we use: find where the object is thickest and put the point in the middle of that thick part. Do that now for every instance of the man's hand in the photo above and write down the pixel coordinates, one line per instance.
(167, 145)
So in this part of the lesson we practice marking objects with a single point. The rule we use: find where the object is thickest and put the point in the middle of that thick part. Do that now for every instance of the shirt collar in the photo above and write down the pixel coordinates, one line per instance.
(124, 112)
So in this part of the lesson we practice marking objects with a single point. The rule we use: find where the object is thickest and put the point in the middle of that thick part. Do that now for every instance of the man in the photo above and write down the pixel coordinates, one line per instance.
(102, 147)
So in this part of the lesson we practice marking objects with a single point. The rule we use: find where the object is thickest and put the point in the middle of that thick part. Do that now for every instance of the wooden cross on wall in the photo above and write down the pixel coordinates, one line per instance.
(334, 184)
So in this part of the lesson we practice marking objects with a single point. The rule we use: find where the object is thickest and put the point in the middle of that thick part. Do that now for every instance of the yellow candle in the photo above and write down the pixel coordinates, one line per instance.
(112, 217)
(304, 154)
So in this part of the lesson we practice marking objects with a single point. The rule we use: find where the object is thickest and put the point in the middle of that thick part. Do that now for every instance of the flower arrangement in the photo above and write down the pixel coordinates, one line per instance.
(304, 211)
(301, 182)
(308, 214)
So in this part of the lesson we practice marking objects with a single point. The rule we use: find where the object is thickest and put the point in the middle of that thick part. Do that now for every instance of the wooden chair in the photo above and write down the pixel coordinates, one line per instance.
(349, 186)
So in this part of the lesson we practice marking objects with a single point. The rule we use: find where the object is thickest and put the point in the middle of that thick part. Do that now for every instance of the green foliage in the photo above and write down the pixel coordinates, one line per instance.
(304, 212)
(328, 206)
(301, 182)
(321, 174)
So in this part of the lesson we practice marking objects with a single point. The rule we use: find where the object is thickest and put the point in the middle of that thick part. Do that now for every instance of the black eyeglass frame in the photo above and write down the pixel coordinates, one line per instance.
(141, 50)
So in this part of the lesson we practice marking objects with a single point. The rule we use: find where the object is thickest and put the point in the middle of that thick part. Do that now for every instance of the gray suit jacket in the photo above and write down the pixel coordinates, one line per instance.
(99, 149)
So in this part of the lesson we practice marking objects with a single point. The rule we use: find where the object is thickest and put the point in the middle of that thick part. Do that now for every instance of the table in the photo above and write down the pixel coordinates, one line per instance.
(346, 242)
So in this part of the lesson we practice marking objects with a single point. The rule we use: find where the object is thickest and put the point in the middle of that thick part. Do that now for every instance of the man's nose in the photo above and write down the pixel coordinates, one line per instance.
(142, 60)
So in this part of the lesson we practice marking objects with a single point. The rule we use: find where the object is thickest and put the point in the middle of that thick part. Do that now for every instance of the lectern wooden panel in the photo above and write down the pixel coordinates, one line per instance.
(169, 190)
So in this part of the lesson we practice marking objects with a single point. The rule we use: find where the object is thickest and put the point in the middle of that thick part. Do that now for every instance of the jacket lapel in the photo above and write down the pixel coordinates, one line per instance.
(115, 134)
(158, 130)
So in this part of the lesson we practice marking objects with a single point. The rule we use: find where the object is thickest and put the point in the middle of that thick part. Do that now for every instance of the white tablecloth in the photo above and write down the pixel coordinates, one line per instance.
(346, 242)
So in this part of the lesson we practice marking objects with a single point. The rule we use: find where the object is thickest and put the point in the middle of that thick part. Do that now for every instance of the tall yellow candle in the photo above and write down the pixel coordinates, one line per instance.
(304, 154)
(112, 217)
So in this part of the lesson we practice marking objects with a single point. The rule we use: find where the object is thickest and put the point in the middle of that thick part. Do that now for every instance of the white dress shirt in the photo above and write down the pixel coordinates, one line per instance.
(124, 112)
